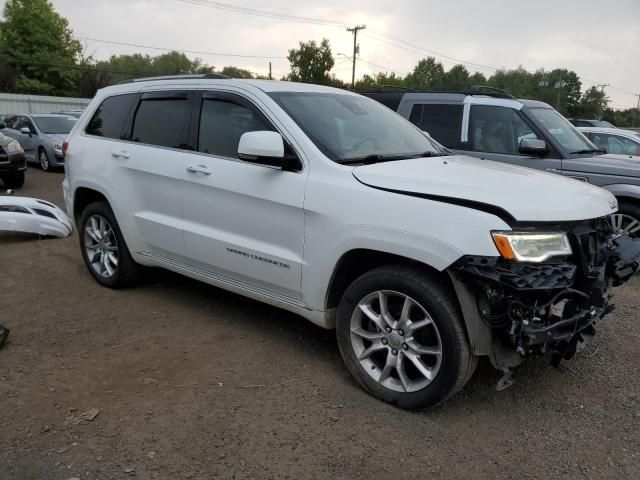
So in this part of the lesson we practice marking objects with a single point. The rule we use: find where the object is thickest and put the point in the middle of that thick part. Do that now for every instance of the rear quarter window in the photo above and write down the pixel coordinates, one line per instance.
(111, 116)
(442, 121)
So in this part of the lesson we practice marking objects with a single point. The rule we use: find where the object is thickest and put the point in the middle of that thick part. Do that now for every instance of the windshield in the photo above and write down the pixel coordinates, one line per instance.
(565, 133)
(55, 124)
(349, 127)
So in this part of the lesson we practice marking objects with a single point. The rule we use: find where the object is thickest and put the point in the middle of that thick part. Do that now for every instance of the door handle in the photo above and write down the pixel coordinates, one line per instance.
(120, 154)
(199, 169)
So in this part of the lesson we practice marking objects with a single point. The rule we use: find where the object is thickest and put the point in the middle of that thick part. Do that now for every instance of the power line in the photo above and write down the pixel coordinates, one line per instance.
(265, 13)
(400, 43)
(195, 52)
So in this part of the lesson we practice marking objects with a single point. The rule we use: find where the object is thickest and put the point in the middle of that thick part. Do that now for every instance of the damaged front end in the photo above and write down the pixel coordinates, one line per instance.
(515, 309)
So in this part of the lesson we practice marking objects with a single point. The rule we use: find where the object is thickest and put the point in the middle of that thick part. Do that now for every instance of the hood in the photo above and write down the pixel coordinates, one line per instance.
(56, 137)
(607, 164)
(525, 194)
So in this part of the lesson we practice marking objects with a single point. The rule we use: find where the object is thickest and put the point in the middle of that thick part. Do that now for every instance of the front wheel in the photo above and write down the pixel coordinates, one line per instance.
(43, 158)
(627, 219)
(401, 336)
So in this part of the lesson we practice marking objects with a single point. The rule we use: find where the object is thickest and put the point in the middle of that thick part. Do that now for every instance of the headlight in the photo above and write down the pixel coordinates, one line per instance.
(57, 146)
(531, 247)
(13, 147)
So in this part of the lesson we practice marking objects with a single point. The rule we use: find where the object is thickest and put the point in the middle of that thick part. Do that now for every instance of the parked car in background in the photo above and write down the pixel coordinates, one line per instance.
(41, 136)
(327, 204)
(582, 122)
(614, 140)
(12, 162)
(492, 125)
(71, 113)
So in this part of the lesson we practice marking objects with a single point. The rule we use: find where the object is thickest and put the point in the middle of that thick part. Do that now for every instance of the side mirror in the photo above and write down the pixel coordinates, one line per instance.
(533, 146)
(266, 148)
(25, 130)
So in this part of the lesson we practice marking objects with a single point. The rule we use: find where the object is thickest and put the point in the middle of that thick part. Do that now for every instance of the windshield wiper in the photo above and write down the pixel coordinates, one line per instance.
(377, 158)
(588, 150)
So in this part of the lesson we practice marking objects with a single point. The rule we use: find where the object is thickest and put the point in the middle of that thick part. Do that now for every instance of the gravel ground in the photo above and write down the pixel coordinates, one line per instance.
(189, 381)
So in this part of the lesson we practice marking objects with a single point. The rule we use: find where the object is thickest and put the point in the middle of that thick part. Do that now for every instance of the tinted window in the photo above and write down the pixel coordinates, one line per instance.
(442, 122)
(110, 118)
(161, 121)
(222, 123)
(495, 129)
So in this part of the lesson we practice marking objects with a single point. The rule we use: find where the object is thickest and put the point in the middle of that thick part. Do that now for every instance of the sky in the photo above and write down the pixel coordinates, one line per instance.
(599, 40)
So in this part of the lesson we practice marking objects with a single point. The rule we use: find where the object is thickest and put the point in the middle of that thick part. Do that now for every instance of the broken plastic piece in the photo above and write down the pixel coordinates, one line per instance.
(506, 381)
(30, 215)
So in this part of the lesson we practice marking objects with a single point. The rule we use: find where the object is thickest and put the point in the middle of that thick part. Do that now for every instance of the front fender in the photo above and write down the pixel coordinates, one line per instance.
(624, 190)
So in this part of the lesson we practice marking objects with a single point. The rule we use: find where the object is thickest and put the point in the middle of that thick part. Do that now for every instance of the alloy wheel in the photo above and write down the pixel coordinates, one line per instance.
(44, 160)
(625, 224)
(396, 341)
(101, 246)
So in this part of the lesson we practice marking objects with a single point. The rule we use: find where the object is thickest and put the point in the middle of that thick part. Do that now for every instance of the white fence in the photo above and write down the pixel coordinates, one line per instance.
(13, 103)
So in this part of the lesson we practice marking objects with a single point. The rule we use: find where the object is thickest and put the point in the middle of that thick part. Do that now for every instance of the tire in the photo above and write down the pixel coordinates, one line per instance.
(428, 300)
(14, 180)
(43, 160)
(99, 229)
(627, 219)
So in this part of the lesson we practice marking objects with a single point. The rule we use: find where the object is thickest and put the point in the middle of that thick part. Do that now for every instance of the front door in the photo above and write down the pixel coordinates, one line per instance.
(242, 221)
(495, 133)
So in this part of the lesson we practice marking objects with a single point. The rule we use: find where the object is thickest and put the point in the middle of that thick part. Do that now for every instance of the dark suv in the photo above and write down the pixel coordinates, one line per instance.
(12, 162)
(492, 125)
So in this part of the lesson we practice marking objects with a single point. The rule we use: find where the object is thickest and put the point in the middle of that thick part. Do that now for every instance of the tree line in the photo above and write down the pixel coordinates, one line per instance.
(40, 55)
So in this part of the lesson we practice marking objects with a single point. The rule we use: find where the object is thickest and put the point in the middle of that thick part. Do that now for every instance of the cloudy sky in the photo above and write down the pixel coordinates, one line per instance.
(599, 40)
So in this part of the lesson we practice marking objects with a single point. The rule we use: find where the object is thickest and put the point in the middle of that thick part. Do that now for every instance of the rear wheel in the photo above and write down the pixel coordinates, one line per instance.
(627, 219)
(104, 250)
(401, 336)
(13, 180)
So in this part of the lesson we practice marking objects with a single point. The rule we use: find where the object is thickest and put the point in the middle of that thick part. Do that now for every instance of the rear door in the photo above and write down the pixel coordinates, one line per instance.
(146, 136)
(243, 222)
(495, 132)
(28, 142)
(443, 121)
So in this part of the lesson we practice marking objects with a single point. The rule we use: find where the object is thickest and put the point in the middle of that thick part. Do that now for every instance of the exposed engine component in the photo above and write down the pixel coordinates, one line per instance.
(552, 307)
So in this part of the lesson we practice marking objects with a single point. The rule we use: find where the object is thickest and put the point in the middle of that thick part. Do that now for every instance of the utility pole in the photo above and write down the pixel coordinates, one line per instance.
(601, 86)
(355, 30)
(270, 77)
(635, 115)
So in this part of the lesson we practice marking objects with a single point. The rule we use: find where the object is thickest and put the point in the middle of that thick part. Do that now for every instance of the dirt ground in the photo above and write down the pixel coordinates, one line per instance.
(190, 381)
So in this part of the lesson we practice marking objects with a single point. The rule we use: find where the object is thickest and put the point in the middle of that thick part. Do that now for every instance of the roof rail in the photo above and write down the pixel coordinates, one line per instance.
(489, 91)
(474, 90)
(192, 76)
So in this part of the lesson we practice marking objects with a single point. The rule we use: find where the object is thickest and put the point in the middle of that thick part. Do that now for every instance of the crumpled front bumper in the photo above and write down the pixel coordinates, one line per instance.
(549, 307)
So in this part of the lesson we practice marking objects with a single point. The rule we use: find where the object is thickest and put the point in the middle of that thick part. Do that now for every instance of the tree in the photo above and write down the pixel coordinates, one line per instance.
(428, 74)
(559, 88)
(593, 103)
(311, 63)
(517, 82)
(38, 49)
(235, 72)
(457, 78)
(368, 82)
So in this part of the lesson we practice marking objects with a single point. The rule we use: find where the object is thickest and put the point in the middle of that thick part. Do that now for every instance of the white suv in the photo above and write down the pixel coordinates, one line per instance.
(330, 205)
